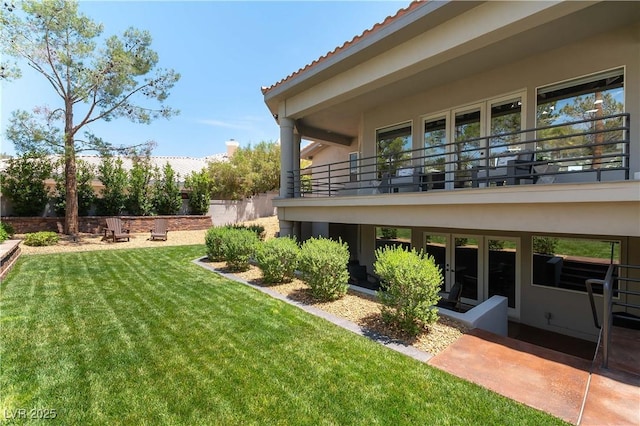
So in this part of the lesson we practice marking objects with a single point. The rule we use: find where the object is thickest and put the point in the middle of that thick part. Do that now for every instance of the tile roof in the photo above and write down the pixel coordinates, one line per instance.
(367, 33)
(181, 165)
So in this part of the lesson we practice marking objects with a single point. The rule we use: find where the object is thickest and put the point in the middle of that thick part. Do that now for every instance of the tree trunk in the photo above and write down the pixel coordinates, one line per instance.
(71, 185)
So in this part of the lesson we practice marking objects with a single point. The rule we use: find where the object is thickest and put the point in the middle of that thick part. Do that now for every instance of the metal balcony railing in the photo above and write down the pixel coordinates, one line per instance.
(594, 149)
(615, 286)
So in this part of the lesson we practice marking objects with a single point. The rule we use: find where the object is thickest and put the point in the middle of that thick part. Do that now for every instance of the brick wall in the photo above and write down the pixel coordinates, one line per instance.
(96, 224)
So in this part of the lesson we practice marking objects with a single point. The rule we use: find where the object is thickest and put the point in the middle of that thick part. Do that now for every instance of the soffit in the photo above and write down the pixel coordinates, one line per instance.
(343, 115)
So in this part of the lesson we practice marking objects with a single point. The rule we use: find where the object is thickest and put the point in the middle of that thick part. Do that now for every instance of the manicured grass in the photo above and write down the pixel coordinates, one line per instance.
(587, 248)
(147, 337)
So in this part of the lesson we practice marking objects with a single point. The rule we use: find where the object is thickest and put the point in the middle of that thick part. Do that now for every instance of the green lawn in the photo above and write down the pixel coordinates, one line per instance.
(147, 337)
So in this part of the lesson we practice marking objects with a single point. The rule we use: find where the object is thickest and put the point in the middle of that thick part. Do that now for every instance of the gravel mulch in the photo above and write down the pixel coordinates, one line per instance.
(88, 242)
(357, 307)
(361, 309)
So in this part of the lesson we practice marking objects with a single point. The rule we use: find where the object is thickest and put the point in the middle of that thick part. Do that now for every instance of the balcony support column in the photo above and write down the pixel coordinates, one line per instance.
(287, 142)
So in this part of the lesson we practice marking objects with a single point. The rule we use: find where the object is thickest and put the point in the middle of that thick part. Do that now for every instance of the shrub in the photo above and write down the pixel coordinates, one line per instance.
(139, 200)
(257, 229)
(6, 231)
(239, 245)
(4, 236)
(496, 245)
(42, 238)
(8, 228)
(23, 183)
(545, 245)
(85, 174)
(389, 233)
(410, 284)
(278, 259)
(115, 179)
(214, 239)
(323, 264)
(167, 199)
(199, 183)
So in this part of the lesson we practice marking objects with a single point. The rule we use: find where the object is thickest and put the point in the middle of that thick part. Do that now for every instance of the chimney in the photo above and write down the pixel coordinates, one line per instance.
(232, 145)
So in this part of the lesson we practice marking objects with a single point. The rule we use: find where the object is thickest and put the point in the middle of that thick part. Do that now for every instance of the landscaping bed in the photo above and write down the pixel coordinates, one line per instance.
(361, 309)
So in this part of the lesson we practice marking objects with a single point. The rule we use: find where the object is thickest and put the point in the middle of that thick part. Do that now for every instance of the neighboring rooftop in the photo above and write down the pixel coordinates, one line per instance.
(183, 166)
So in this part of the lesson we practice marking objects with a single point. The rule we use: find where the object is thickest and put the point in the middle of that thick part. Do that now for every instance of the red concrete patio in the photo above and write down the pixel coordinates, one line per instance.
(572, 388)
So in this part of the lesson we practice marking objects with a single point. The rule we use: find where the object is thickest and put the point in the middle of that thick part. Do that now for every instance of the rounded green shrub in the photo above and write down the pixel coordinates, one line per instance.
(239, 246)
(545, 245)
(4, 235)
(323, 264)
(258, 229)
(8, 228)
(278, 259)
(213, 240)
(410, 285)
(42, 238)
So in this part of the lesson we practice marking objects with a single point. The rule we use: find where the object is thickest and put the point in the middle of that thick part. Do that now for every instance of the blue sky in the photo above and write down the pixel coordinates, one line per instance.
(225, 52)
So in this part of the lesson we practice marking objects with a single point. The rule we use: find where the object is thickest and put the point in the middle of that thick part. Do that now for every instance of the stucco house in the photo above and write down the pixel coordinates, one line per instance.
(500, 137)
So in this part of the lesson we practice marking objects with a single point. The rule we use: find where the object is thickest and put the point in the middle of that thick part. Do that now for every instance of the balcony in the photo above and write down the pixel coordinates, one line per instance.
(596, 149)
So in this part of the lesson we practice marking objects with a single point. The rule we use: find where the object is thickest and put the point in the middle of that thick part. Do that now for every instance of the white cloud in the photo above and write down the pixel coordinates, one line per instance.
(225, 124)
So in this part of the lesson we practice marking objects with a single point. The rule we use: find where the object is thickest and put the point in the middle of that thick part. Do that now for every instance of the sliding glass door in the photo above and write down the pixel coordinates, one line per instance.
(459, 141)
(484, 265)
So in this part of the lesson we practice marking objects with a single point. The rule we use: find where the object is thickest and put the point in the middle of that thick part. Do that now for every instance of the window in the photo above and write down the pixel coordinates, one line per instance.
(435, 144)
(392, 144)
(353, 167)
(588, 144)
(568, 262)
(393, 237)
(505, 126)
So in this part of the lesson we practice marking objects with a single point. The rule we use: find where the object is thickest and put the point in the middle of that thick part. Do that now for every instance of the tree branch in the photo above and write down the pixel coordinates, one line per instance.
(88, 119)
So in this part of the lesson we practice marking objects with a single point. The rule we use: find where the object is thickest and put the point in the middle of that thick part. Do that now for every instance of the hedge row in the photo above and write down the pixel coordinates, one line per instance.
(410, 279)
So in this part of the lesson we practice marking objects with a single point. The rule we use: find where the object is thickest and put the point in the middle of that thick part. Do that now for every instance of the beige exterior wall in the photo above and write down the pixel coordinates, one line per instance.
(608, 210)
(613, 50)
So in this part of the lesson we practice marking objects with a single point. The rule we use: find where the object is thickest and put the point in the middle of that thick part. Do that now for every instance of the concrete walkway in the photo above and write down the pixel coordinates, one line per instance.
(574, 389)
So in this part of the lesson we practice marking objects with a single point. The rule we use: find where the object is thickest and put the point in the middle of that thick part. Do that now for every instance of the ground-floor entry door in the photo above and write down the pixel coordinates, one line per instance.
(484, 265)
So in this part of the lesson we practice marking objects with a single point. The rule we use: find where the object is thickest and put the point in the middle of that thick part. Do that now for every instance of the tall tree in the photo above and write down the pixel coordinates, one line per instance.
(23, 183)
(167, 198)
(118, 79)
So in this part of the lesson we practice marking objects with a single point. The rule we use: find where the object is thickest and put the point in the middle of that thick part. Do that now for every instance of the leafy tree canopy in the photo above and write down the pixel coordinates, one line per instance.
(95, 77)
(251, 170)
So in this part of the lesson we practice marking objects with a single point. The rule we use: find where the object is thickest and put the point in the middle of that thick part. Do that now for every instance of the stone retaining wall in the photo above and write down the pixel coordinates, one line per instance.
(97, 224)
(9, 253)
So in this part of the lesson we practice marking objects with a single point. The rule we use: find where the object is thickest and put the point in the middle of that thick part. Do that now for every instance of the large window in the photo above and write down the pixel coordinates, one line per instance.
(435, 144)
(568, 262)
(392, 144)
(459, 141)
(593, 143)
(393, 237)
(353, 167)
(505, 126)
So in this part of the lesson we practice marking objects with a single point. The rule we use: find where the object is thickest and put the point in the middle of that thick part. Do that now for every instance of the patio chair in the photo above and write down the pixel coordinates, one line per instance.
(452, 302)
(509, 170)
(114, 230)
(159, 230)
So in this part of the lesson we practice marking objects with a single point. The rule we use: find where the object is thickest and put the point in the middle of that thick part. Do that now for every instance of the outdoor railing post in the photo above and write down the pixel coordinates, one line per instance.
(607, 297)
(296, 183)
(290, 184)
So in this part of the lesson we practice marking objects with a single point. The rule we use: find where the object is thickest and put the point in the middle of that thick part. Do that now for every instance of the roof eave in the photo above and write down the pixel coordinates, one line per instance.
(334, 62)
